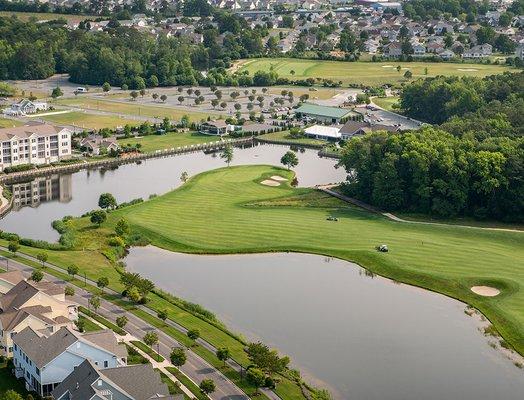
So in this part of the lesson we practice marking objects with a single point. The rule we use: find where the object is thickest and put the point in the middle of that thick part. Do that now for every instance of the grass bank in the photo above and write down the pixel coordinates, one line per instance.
(169, 140)
(283, 137)
(90, 121)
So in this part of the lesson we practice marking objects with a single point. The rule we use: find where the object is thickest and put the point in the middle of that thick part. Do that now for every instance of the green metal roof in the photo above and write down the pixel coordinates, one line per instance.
(324, 111)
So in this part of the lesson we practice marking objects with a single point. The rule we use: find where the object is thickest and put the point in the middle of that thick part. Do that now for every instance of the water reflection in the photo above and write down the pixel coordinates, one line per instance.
(42, 189)
(365, 339)
(153, 176)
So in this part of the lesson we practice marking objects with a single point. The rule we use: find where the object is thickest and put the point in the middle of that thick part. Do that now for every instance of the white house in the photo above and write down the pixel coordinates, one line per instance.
(34, 144)
(323, 132)
(479, 51)
(25, 107)
(45, 361)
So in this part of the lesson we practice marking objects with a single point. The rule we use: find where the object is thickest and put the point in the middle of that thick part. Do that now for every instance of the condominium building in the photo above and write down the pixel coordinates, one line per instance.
(34, 144)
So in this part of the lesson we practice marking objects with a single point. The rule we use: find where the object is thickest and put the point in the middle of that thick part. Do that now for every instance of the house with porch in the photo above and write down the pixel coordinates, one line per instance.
(44, 360)
(217, 128)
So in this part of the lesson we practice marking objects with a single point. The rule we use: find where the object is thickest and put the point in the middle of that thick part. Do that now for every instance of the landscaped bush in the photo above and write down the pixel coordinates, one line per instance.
(18, 168)
(59, 226)
(11, 237)
(41, 244)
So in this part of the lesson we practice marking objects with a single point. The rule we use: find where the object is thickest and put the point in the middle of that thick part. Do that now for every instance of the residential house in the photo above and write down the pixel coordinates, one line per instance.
(133, 382)
(34, 144)
(479, 51)
(519, 51)
(97, 144)
(25, 107)
(44, 361)
(42, 306)
(447, 55)
(419, 50)
(9, 280)
(392, 50)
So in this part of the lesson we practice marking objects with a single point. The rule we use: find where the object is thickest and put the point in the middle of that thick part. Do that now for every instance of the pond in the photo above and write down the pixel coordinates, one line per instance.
(39, 202)
(362, 337)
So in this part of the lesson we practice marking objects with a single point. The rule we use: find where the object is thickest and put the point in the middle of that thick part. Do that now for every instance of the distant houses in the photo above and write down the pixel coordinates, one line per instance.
(216, 128)
(97, 144)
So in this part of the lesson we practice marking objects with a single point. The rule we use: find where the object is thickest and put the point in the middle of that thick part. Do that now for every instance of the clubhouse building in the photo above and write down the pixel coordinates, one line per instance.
(326, 114)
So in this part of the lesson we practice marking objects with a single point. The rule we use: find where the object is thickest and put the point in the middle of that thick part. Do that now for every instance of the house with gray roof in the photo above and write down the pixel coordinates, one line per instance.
(45, 360)
(134, 382)
(41, 306)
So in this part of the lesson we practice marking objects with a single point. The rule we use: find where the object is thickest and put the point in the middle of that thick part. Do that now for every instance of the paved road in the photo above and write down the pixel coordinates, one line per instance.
(195, 368)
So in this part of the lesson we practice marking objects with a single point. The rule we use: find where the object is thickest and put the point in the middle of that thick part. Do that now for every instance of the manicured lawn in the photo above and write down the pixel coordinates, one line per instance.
(134, 357)
(447, 259)
(169, 140)
(188, 383)
(90, 121)
(89, 326)
(367, 73)
(134, 108)
(386, 102)
(314, 93)
(8, 123)
(102, 320)
(284, 136)
(173, 388)
(148, 350)
(9, 382)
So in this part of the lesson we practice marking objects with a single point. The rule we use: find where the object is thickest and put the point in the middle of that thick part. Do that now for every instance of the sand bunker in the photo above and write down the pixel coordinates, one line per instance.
(486, 291)
(269, 182)
(467, 69)
(278, 178)
(387, 66)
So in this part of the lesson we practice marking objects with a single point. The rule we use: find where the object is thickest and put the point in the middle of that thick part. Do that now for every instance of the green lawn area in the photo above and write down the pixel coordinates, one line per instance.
(386, 102)
(188, 383)
(284, 136)
(148, 350)
(102, 320)
(46, 16)
(134, 108)
(89, 326)
(169, 140)
(9, 382)
(8, 123)
(134, 357)
(447, 259)
(90, 121)
(172, 387)
(367, 73)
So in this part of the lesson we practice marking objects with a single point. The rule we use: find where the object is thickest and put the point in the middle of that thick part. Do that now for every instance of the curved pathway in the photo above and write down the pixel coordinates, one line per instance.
(328, 189)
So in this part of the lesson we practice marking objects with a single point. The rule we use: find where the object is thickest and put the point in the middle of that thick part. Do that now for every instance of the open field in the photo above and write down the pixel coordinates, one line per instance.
(90, 121)
(367, 73)
(386, 102)
(8, 123)
(169, 140)
(314, 93)
(284, 137)
(131, 108)
(71, 18)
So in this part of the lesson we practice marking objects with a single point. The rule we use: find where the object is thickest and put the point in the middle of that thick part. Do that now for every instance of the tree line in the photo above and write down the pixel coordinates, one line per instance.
(434, 172)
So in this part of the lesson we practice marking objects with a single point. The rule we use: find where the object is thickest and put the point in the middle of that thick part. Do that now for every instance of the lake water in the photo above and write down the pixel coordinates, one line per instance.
(74, 194)
(363, 338)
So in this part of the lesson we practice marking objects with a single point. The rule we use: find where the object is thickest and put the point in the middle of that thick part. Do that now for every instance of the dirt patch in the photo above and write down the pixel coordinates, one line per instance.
(278, 178)
(486, 291)
(269, 182)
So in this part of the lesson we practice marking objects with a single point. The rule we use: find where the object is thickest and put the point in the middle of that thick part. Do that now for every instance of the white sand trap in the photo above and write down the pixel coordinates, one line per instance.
(467, 69)
(387, 66)
(486, 291)
(278, 178)
(269, 182)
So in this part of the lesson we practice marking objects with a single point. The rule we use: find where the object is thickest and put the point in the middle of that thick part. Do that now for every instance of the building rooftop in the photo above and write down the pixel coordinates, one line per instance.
(26, 131)
(325, 131)
(324, 111)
